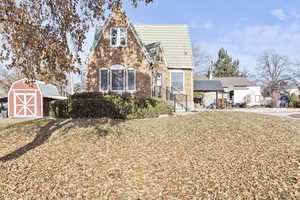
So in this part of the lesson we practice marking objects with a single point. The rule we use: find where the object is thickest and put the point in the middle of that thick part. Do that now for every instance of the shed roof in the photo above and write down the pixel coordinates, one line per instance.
(49, 90)
(208, 85)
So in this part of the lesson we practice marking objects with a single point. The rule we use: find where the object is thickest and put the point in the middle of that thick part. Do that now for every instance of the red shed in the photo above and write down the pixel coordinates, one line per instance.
(31, 100)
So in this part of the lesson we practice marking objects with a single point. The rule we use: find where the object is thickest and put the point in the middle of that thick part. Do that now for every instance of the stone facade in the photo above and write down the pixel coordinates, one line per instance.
(132, 56)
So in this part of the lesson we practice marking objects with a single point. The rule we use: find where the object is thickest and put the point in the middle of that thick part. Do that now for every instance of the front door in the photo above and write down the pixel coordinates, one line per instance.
(25, 105)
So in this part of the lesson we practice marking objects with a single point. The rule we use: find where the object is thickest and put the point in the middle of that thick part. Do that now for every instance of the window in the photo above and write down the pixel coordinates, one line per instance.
(177, 81)
(131, 80)
(117, 78)
(257, 99)
(159, 79)
(118, 37)
(104, 80)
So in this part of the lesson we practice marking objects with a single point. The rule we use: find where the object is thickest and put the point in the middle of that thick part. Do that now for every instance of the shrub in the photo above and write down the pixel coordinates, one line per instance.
(60, 109)
(97, 105)
(293, 101)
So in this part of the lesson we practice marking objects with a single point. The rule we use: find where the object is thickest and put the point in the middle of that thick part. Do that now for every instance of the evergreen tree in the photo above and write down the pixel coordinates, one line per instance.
(225, 66)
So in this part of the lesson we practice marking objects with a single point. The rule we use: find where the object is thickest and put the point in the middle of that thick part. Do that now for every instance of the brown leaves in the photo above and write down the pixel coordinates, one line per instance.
(35, 34)
(205, 156)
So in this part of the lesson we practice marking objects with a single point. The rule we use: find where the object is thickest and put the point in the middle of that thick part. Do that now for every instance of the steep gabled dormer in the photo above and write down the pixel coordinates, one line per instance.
(119, 56)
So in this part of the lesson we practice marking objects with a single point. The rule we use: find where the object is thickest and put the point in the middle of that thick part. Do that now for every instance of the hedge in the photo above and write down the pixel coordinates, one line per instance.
(97, 105)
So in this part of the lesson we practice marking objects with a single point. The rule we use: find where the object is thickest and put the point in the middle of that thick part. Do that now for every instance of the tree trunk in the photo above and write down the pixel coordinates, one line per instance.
(274, 99)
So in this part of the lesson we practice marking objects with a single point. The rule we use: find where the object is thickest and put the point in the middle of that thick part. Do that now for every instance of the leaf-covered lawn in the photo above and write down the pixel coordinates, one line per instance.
(205, 156)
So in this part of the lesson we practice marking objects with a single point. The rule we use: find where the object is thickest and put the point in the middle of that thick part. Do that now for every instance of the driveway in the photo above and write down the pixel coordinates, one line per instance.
(278, 112)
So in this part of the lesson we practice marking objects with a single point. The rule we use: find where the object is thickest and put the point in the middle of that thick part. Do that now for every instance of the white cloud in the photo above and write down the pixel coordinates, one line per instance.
(249, 42)
(279, 14)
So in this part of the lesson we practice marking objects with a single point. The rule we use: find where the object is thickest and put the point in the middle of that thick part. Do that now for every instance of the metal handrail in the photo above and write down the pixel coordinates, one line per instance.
(170, 95)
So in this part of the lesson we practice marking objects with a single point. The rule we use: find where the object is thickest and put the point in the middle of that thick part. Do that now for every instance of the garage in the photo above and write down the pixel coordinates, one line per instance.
(31, 100)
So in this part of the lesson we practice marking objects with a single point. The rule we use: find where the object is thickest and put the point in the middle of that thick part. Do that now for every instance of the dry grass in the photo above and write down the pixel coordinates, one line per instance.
(205, 156)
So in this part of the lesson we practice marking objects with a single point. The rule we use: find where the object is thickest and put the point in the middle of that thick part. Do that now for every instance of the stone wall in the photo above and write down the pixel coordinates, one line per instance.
(131, 56)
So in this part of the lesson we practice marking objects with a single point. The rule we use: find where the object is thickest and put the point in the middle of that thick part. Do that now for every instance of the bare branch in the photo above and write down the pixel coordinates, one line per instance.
(274, 72)
(37, 33)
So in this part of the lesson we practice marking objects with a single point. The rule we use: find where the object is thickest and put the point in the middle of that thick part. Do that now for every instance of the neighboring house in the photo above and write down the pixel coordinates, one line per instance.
(294, 89)
(141, 60)
(2, 92)
(285, 95)
(211, 92)
(31, 100)
(238, 90)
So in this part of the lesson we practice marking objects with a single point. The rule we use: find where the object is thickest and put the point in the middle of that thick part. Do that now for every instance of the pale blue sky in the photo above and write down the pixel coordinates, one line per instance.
(246, 28)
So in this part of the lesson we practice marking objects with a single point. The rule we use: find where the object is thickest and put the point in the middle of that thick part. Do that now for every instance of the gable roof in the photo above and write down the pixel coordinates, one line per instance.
(174, 39)
(228, 82)
(208, 85)
(101, 28)
(231, 82)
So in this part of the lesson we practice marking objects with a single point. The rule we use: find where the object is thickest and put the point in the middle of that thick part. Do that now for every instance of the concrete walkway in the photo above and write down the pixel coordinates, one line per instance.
(278, 112)
(284, 114)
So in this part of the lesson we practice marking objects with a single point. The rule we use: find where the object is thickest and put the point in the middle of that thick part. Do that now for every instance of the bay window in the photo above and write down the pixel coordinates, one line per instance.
(177, 81)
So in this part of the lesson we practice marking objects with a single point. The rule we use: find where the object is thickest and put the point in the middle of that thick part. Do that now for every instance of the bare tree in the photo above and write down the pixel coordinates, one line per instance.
(7, 77)
(202, 59)
(274, 73)
(35, 35)
(296, 74)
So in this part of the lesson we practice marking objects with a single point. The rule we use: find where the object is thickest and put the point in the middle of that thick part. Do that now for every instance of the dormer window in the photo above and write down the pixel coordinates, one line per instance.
(118, 37)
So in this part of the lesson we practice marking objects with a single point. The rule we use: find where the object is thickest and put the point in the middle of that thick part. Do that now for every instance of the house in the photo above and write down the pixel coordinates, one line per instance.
(142, 60)
(284, 96)
(241, 91)
(208, 92)
(294, 89)
(238, 90)
(30, 100)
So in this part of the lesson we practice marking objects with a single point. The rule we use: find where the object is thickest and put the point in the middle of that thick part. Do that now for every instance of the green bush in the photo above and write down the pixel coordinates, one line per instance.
(97, 105)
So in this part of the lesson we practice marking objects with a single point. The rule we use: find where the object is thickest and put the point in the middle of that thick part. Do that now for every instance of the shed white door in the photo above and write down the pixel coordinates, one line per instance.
(25, 105)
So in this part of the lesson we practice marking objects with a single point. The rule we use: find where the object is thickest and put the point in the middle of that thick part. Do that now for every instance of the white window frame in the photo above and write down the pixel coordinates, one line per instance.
(183, 81)
(257, 98)
(118, 67)
(162, 79)
(118, 41)
(108, 80)
(134, 71)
